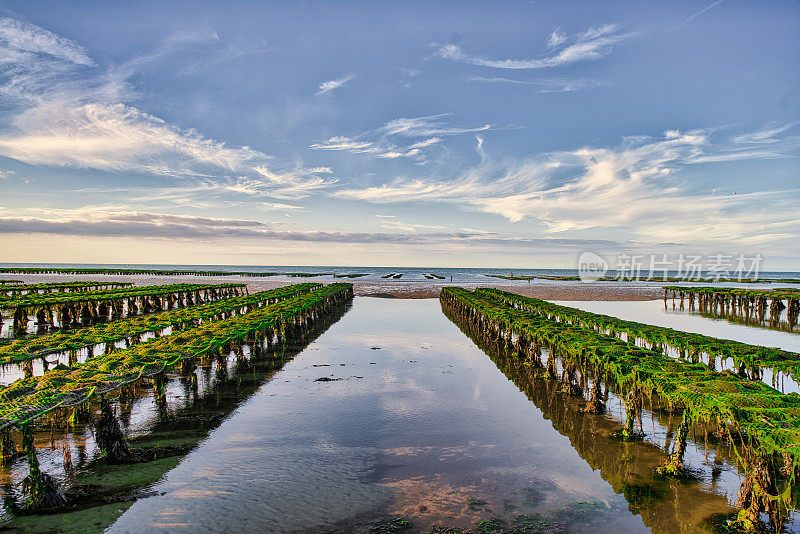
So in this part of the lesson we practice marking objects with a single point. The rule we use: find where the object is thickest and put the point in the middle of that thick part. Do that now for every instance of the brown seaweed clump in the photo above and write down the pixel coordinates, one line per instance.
(41, 491)
(109, 436)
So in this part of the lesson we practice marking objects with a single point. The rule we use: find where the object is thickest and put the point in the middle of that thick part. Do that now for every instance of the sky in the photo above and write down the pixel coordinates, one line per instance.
(481, 134)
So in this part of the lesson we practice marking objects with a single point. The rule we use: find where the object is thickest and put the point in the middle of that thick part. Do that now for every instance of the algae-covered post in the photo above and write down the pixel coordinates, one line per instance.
(109, 436)
(40, 490)
(746, 305)
(102, 337)
(748, 360)
(759, 421)
(69, 308)
(59, 287)
(70, 390)
(34, 396)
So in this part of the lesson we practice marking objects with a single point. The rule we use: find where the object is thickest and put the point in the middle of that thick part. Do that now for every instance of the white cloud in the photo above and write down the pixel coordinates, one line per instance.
(326, 87)
(394, 154)
(594, 43)
(277, 206)
(384, 142)
(5, 174)
(631, 188)
(740, 155)
(113, 137)
(548, 85)
(426, 142)
(352, 146)
(765, 135)
(479, 149)
(425, 126)
(20, 37)
(557, 38)
(346, 144)
(65, 120)
(407, 227)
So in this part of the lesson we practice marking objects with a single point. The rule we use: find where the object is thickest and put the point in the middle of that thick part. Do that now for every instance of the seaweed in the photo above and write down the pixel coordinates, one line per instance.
(98, 305)
(761, 423)
(391, 525)
(30, 398)
(59, 287)
(747, 359)
(752, 306)
(131, 329)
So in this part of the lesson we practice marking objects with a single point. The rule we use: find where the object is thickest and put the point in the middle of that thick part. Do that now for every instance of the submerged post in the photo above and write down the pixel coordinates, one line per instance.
(674, 465)
(109, 436)
(41, 491)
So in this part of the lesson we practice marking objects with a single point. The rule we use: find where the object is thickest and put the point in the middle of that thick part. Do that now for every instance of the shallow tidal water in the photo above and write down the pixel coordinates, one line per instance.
(412, 419)
(415, 421)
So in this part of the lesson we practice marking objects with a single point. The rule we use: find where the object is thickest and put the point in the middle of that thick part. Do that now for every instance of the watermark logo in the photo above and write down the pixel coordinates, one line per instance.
(591, 267)
(679, 267)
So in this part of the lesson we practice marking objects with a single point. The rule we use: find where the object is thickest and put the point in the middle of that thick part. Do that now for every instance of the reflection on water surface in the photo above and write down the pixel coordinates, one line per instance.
(414, 421)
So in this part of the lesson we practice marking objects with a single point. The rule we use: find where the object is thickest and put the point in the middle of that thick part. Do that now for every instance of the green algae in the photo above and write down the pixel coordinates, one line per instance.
(47, 299)
(101, 492)
(560, 520)
(751, 306)
(131, 328)
(59, 287)
(761, 423)
(99, 305)
(61, 388)
(623, 464)
(747, 358)
(391, 525)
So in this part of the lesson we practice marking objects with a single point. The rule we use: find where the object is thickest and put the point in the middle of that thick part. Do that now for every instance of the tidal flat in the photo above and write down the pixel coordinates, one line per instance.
(389, 418)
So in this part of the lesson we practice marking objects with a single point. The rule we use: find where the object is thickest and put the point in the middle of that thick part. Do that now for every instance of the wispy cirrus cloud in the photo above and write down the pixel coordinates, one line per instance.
(765, 143)
(64, 120)
(426, 126)
(386, 141)
(544, 86)
(556, 39)
(426, 142)
(390, 222)
(327, 87)
(594, 43)
(113, 137)
(765, 135)
(634, 187)
(278, 206)
(353, 146)
(18, 38)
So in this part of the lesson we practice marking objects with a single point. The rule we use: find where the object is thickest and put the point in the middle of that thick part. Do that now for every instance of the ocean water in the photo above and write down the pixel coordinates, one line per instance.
(416, 421)
(454, 274)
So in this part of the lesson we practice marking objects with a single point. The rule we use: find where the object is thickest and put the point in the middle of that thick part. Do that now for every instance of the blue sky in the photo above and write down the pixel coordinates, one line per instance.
(512, 134)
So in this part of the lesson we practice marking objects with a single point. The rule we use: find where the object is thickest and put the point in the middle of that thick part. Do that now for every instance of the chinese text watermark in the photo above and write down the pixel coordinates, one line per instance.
(676, 267)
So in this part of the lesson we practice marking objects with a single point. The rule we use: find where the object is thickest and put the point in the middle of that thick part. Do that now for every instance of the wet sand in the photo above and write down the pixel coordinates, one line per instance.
(543, 289)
